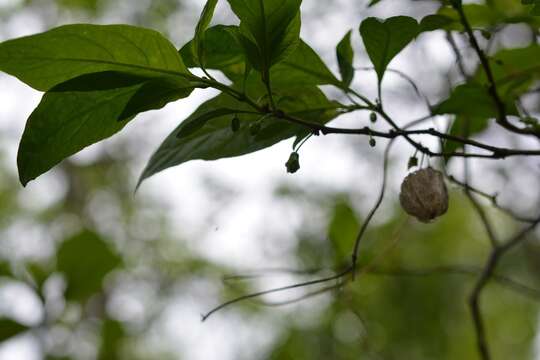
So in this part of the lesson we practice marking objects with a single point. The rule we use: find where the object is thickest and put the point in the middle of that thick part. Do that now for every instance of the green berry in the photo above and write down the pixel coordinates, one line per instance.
(373, 117)
(372, 142)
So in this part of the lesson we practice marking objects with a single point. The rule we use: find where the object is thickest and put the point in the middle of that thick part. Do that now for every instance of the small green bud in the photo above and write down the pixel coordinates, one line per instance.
(254, 128)
(413, 162)
(486, 34)
(373, 117)
(293, 164)
(528, 120)
(372, 142)
(235, 124)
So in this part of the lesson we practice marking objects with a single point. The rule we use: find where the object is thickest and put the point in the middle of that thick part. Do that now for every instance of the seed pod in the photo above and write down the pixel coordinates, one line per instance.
(424, 195)
(235, 124)
(293, 164)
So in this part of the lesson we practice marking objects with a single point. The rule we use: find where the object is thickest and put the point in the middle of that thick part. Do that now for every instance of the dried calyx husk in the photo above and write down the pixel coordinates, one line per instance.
(424, 194)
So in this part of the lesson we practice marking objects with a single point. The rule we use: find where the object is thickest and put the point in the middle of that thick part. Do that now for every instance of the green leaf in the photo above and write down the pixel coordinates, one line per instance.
(514, 70)
(478, 15)
(198, 122)
(198, 39)
(155, 94)
(384, 39)
(472, 100)
(84, 111)
(215, 140)
(222, 50)
(269, 29)
(342, 229)
(303, 67)
(53, 57)
(345, 56)
(85, 259)
(436, 22)
(373, 3)
(10, 328)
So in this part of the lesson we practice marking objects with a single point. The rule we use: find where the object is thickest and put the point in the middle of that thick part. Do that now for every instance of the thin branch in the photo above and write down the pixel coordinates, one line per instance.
(488, 272)
(275, 290)
(499, 103)
(457, 53)
(373, 210)
(488, 226)
(492, 199)
(446, 270)
(272, 271)
(309, 295)
(496, 152)
(404, 76)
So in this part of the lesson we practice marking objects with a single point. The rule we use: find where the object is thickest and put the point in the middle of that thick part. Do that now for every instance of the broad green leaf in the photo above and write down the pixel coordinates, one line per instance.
(342, 230)
(200, 30)
(345, 56)
(155, 94)
(472, 100)
(478, 15)
(198, 122)
(55, 56)
(85, 259)
(514, 70)
(303, 67)
(222, 51)
(482, 16)
(269, 29)
(384, 39)
(436, 22)
(373, 3)
(10, 328)
(84, 111)
(215, 139)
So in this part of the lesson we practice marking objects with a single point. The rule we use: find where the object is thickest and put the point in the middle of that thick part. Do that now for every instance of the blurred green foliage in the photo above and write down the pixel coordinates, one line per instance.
(411, 301)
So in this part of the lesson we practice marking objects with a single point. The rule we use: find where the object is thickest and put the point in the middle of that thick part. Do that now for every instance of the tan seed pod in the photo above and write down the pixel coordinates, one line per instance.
(424, 194)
